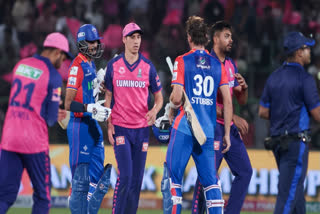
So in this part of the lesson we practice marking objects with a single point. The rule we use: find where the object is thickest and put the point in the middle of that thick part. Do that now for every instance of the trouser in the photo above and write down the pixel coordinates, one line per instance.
(239, 163)
(130, 148)
(38, 168)
(292, 164)
(180, 148)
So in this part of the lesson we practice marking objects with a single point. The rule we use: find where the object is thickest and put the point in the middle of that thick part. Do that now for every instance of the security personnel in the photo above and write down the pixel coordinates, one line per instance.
(289, 97)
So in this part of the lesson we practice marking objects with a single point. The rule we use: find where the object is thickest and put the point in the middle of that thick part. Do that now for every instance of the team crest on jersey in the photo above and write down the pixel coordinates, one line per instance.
(122, 70)
(203, 62)
(216, 145)
(145, 146)
(120, 140)
(56, 93)
(72, 80)
(74, 70)
(139, 73)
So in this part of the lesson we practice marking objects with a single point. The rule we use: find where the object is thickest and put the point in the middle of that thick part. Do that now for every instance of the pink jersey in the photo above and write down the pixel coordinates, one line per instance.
(33, 104)
(130, 86)
(231, 69)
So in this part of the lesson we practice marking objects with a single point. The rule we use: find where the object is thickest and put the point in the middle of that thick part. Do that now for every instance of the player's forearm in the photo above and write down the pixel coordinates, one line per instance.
(176, 95)
(158, 102)
(227, 114)
(242, 96)
(108, 97)
(263, 112)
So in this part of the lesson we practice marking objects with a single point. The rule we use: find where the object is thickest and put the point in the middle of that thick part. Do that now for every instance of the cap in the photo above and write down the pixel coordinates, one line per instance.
(295, 40)
(58, 40)
(130, 29)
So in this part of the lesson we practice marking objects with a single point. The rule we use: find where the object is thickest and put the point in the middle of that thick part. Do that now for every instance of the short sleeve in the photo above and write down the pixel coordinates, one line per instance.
(54, 97)
(75, 77)
(224, 78)
(178, 71)
(108, 77)
(235, 71)
(310, 92)
(266, 98)
(155, 84)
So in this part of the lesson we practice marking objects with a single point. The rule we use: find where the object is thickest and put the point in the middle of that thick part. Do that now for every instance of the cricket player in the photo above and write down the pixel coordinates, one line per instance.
(289, 98)
(84, 133)
(200, 75)
(33, 106)
(129, 78)
(237, 157)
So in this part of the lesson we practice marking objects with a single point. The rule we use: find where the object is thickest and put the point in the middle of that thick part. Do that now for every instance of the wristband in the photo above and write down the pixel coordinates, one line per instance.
(77, 107)
(173, 106)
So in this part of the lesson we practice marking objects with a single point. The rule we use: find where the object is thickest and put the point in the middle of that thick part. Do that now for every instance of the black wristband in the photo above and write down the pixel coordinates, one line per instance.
(77, 107)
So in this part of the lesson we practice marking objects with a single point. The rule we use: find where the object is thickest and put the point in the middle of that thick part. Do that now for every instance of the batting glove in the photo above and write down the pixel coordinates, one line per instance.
(99, 112)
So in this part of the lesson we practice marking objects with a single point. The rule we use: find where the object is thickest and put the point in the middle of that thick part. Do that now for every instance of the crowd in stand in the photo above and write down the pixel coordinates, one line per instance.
(259, 26)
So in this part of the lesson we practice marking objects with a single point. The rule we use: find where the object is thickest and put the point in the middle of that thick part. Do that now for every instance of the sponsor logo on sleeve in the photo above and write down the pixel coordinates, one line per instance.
(120, 140)
(74, 70)
(175, 75)
(216, 145)
(158, 81)
(72, 80)
(56, 93)
(145, 146)
(175, 67)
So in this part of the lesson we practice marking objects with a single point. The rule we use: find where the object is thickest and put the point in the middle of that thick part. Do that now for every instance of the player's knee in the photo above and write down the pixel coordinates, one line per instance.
(170, 198)
(80, 180)
(214, 201)
(100, 191)
(80, 188)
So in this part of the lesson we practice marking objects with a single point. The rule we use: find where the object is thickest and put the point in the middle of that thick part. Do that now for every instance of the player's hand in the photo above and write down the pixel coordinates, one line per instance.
(99, 112)
(226, 143)
(241, 81)
(62, 113)
(241, 124)
(151, 117)
(110, 132)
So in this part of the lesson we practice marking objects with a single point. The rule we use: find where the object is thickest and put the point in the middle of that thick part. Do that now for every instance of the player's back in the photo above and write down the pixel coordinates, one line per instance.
(202, 77)
(25, 129)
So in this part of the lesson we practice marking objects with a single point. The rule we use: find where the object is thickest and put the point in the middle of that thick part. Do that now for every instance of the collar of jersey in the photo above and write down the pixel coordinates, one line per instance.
(83, 57)
(129, 66)
(292, 64)
(194, 50)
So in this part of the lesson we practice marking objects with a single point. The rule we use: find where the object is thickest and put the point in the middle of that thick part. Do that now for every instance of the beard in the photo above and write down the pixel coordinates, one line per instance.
(57, 64)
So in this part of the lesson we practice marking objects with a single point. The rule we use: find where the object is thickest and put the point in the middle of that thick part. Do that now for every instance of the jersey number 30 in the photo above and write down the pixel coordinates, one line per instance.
(205, 85)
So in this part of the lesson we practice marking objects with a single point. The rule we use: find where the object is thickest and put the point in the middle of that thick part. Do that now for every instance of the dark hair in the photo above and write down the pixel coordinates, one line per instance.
(219, 26)
(197, 29)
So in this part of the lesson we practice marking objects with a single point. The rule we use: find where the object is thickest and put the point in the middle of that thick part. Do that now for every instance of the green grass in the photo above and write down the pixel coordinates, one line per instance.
(102, 211)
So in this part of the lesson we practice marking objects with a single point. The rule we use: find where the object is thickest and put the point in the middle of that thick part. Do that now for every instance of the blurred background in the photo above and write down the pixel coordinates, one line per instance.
(259, 27)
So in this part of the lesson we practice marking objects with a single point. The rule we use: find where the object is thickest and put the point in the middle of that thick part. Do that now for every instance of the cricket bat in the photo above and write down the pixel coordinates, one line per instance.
(192, 119)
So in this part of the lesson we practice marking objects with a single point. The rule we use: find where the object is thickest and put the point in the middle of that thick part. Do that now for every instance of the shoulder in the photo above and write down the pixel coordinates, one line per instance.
(115, 59)
(231, 61)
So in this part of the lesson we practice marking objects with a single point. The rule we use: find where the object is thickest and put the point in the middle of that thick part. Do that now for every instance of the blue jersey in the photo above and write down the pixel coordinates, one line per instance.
(290, 94)
(201, 75)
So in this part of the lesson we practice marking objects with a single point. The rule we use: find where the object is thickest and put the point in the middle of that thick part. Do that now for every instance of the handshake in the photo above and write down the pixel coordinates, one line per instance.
(99, 112)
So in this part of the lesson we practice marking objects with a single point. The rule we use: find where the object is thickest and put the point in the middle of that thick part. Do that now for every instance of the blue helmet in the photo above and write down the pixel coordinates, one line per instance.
(89, 33)
(161, 130)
